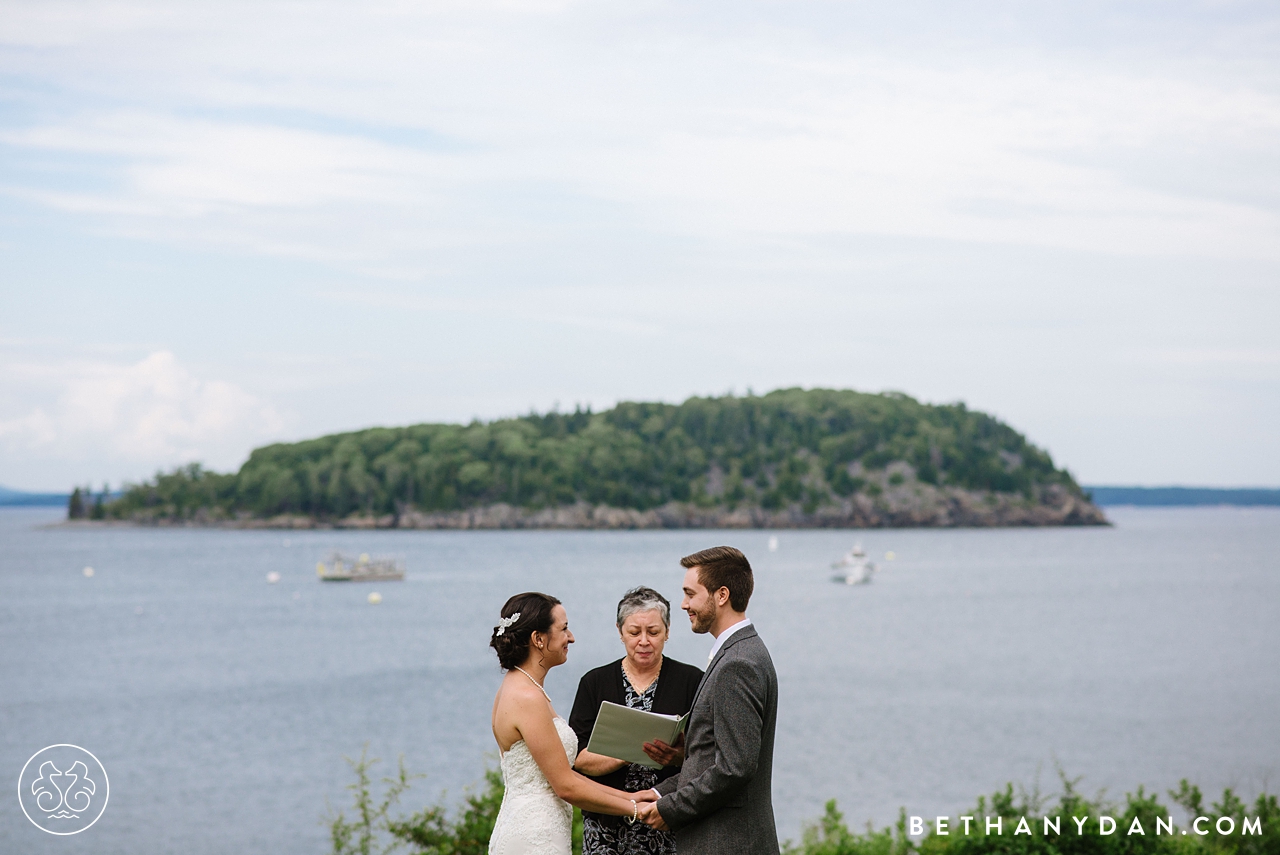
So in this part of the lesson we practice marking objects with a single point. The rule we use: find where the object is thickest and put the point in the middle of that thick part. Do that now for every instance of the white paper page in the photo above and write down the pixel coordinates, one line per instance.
(621, 732)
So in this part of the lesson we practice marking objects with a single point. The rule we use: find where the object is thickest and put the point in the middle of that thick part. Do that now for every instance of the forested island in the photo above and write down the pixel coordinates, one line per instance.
(790, 459)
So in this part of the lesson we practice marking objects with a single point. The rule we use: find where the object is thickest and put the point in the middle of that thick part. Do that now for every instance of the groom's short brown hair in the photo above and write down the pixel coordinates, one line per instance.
(723, 567)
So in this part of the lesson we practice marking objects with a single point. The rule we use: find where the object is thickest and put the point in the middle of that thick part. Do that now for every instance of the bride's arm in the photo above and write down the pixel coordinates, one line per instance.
(533, 720)
(596, 764)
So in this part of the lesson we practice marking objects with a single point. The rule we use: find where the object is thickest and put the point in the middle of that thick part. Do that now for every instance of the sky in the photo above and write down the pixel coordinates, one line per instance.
(224, 224)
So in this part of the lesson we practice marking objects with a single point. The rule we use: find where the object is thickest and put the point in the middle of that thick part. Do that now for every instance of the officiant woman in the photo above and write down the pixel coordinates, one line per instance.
(642, 679)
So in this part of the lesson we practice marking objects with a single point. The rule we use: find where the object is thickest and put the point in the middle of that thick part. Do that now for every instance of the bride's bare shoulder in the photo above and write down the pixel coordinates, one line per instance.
(518, 694)
(518, 704)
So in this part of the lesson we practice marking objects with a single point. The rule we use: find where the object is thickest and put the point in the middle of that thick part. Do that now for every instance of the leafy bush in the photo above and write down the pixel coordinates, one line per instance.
(365, 834)
(433, 830)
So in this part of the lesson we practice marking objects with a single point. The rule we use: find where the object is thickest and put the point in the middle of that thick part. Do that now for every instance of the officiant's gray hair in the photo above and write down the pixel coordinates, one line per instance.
(643, 599)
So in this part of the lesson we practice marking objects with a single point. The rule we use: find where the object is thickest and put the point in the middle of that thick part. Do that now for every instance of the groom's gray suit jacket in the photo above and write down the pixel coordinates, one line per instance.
(721, 803)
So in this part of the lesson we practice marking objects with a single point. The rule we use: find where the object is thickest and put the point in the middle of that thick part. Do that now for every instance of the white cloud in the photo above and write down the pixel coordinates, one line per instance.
(755, 132)
(127, 419)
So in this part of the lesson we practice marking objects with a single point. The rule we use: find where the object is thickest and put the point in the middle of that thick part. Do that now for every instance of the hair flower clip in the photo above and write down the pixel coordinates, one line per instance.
(505, 622)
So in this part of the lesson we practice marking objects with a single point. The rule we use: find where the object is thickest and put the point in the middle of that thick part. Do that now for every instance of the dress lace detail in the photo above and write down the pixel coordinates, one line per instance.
(533, 820)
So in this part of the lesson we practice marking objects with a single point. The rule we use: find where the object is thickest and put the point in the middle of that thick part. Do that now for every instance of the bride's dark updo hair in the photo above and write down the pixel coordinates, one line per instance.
(512, 641)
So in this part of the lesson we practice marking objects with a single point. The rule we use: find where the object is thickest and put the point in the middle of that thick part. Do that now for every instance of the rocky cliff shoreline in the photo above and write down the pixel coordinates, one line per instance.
(910, 506)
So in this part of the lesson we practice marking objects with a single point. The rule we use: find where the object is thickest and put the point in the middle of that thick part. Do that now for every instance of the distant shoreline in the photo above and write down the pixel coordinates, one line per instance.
(902, 507)
(300, 523)
(1168, 497)
(1104, 497)
(15, 499)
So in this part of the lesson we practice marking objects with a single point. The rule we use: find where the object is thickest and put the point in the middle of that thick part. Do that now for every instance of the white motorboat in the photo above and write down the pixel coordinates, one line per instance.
(854, 568)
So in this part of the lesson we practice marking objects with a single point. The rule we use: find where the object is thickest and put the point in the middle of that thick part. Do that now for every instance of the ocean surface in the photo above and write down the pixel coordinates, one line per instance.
(222, 706)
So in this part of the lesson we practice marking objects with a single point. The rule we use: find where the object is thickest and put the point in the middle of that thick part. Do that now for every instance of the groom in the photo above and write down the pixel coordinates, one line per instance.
(721, 803)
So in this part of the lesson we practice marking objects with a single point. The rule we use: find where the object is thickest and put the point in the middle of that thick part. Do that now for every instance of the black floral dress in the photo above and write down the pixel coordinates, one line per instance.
(635, 838)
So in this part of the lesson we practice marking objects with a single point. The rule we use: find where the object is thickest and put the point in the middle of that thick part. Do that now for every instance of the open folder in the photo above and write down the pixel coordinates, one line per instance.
(621, 732)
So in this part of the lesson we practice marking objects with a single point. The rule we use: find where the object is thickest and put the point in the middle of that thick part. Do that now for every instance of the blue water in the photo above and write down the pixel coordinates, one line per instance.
(222, 706)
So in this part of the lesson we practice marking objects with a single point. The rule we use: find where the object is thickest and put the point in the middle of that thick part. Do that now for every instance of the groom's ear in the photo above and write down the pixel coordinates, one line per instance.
(721, 600)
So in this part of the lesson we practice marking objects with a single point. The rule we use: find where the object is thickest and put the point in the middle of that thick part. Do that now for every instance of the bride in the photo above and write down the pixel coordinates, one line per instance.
(537, 746)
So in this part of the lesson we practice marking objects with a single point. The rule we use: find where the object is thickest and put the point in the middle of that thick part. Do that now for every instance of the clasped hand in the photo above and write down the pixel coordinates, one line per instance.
(649, 815)
(647, 809)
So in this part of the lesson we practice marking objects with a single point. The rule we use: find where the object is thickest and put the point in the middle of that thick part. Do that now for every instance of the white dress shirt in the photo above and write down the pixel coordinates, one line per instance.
(724, 636)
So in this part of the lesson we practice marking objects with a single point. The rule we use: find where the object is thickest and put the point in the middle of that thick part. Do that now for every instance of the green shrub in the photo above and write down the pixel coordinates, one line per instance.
(465, 830)
(433, 830)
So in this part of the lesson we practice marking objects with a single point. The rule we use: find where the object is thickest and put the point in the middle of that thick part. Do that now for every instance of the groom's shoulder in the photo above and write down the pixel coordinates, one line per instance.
(748, 639)
(750, 646)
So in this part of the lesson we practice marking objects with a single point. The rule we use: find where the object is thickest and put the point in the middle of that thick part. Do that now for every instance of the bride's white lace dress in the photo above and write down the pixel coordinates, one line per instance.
(533, 820)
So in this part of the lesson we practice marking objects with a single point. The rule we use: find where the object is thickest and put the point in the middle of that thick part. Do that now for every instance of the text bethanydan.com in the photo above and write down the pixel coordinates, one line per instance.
(1103, 825)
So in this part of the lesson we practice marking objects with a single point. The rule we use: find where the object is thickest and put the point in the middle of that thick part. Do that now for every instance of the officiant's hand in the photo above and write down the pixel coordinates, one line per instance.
(649, 816)
(667, 755)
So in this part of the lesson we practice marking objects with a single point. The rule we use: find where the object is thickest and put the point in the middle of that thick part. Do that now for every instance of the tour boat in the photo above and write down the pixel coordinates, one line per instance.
(340, 568)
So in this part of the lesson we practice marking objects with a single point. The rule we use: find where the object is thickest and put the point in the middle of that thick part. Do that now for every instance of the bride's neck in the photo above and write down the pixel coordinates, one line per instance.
(531, 667)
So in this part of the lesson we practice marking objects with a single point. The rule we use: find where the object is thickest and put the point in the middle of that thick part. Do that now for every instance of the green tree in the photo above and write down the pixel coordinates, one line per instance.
(75, 505)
